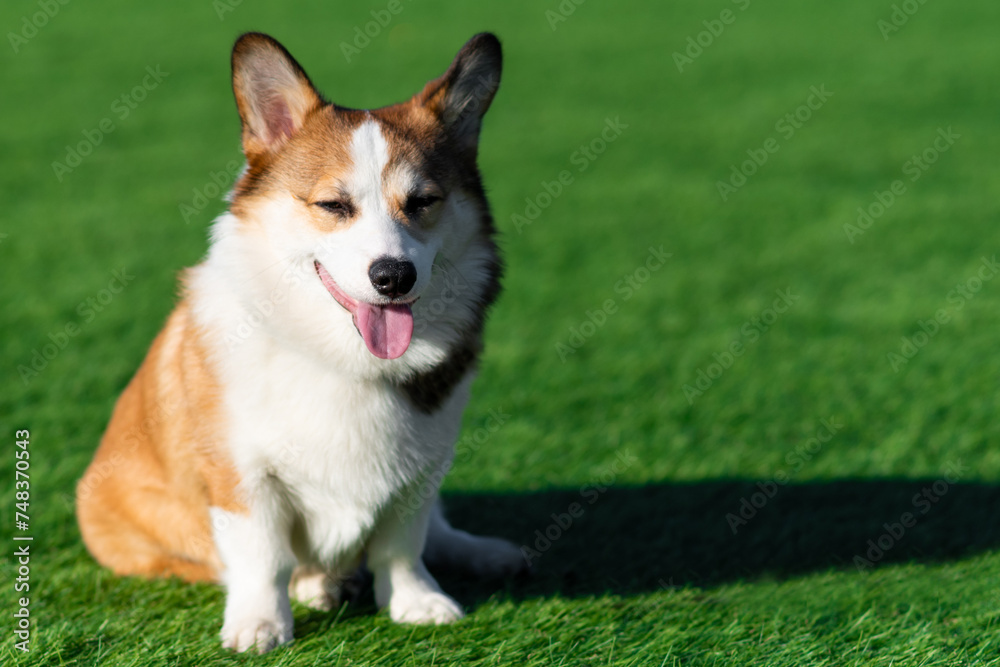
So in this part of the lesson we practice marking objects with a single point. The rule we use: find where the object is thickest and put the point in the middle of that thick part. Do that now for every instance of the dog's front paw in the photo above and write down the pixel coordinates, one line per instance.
(425, 609)
(260, 633)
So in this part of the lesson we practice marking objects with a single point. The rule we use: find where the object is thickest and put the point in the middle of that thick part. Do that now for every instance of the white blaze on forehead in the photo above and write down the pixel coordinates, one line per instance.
(375, 232)
(371, 186)
(370, 155)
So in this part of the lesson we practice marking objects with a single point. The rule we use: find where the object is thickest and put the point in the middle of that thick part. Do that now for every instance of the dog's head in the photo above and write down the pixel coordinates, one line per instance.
(368, 201)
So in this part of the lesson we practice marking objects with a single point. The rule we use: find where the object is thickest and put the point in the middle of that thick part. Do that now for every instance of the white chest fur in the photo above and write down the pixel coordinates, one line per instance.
(341, 449)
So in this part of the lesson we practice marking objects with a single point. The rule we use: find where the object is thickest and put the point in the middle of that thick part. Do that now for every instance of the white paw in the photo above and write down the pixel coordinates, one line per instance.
(425, 609)
(315, 590)
(262, 634)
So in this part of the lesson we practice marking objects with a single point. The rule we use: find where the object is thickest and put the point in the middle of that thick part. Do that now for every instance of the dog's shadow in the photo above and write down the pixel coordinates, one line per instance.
(640, 539)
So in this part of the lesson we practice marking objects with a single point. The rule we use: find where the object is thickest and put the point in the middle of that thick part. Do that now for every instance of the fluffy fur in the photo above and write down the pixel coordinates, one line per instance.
(261, 444)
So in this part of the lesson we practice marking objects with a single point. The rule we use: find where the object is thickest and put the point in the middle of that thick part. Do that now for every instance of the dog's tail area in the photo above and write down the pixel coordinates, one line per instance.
(450, 548)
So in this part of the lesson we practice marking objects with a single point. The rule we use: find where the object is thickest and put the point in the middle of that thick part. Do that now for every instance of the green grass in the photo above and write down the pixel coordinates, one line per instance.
(651, 573)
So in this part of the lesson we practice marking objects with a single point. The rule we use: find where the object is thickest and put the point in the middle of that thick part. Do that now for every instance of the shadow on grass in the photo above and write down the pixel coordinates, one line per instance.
(640, 539)
(634, 540)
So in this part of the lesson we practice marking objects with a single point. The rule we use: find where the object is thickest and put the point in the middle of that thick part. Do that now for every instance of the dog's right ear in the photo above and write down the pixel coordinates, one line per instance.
(461, 96)
(273, 94)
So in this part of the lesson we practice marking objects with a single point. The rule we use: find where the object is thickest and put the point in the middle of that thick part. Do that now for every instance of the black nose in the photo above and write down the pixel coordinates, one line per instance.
(392, 277)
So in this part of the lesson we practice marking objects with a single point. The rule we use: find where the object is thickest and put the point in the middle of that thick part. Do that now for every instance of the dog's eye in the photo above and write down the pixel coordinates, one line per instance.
(336, 206)
(417, 204)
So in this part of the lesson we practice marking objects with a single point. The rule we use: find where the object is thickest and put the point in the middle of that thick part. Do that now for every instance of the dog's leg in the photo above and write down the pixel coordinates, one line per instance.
(258, 563)
(314, 587)
(448, 547)
(323, 589)
(402, 583)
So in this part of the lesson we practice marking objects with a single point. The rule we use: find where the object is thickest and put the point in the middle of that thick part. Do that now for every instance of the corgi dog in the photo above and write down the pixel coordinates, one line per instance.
(294, 418)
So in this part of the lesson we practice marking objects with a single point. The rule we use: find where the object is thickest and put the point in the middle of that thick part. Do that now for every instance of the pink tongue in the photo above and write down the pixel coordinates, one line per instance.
(386, 329)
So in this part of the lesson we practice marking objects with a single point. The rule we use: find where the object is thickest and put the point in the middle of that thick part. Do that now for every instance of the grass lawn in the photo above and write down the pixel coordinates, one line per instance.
(780, 442)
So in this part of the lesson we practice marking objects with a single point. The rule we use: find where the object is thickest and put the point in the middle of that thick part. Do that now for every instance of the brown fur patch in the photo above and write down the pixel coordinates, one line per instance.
(312, 168)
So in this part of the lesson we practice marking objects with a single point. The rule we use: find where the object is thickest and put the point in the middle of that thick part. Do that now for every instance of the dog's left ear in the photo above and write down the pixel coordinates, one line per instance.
(273, 94)
(461, 96)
